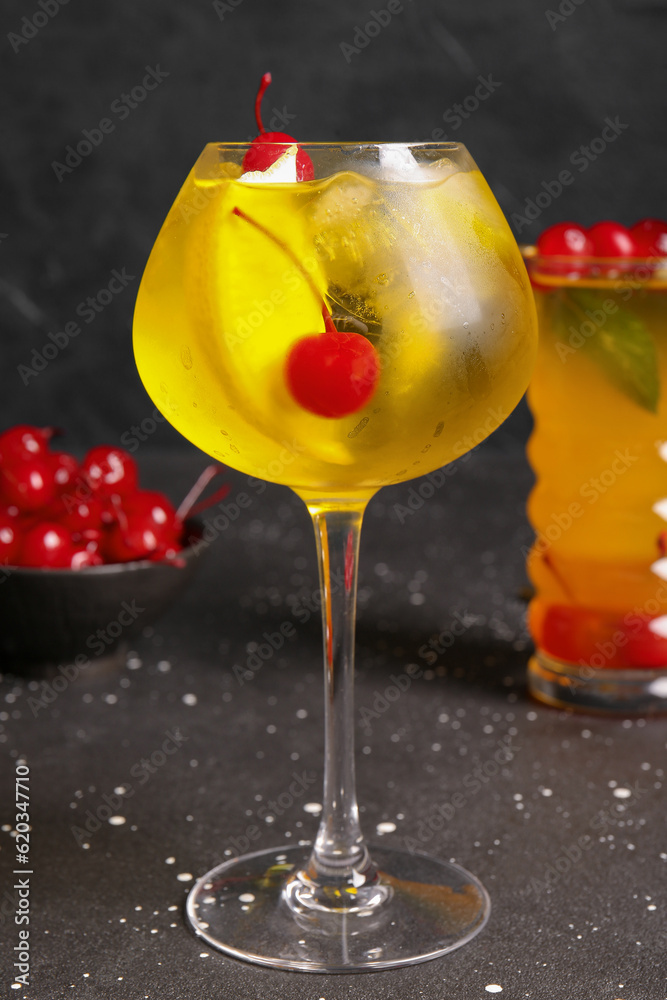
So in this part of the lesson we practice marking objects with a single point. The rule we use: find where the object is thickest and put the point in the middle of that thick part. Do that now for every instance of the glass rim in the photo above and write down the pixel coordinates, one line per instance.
(343, 144)
(531, 255)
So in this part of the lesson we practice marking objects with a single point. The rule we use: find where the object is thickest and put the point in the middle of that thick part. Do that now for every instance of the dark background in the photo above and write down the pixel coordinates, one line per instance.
(61, 240)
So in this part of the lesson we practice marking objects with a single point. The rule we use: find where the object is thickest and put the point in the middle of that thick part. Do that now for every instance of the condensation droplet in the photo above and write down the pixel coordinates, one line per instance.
(439, 429)
(186, 357)
(382, 279)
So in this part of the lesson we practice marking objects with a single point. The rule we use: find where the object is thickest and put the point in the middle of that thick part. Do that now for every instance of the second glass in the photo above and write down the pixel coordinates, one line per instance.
(394, 273)
(599, 566)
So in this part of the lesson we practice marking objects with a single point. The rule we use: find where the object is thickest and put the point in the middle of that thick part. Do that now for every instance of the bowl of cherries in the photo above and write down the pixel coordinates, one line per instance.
(87, 558)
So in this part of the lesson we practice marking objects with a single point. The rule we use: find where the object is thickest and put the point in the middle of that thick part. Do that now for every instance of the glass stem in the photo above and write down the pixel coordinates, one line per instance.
(339, 853)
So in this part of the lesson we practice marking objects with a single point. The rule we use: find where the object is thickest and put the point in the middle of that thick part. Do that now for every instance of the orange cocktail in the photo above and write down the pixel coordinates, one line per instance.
(599, 507)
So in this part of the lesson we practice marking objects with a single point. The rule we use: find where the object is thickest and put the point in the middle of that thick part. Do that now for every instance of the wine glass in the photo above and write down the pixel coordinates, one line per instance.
(336, 334)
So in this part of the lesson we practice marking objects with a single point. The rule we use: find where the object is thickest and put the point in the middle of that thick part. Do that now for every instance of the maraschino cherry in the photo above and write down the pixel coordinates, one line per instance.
(331, 374)
(565, 239)
(47, 544)
(611, 239)
(23, 442)
(65, 468)
(9, 538)
(146, 523)
(82, 557)
(134, 537)
(29, 484)
(108, 470)
(80, 515)
(270, 146)
(650, 236)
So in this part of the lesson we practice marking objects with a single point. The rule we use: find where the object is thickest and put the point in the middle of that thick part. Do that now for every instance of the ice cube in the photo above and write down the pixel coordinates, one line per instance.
(281, 171)
(397, 163)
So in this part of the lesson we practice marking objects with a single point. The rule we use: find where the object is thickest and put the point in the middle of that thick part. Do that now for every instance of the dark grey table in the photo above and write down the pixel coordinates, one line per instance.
(568, 836)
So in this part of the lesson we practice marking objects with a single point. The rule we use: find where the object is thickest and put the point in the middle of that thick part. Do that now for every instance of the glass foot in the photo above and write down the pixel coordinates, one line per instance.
(590, 689)
(421, 908)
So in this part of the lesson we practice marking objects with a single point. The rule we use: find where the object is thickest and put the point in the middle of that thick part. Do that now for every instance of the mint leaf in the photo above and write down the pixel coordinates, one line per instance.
(621, 344)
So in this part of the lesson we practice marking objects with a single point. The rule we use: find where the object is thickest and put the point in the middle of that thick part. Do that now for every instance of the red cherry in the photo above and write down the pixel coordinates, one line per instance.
(11, 511)
(646, 648)
(157, 511)
(147, 525)
(9, 538)
(28, 485)
(83, 556)
(81, 515)
(65, 470)
(566, 239)
(267, 147)
(108, 470)
(132, 541)
(650, 236)
(24, 442)
(47, 544)
(610, 239)
(92, 539)
(166, 552)
(332, 374)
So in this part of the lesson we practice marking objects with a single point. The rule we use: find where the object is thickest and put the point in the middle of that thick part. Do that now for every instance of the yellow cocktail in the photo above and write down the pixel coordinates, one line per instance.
(343, 317)
(425, 268)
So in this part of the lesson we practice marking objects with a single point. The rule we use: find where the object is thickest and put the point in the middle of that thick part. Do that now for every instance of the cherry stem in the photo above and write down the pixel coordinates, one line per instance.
(209, 501)
(265, 81)
(187, 505)
(328, 322)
